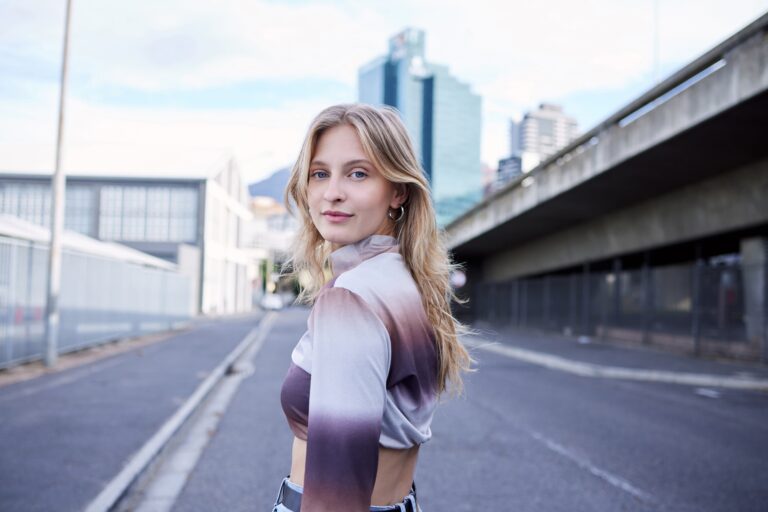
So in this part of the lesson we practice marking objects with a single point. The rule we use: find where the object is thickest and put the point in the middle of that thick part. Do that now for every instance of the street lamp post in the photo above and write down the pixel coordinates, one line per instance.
(57, 218)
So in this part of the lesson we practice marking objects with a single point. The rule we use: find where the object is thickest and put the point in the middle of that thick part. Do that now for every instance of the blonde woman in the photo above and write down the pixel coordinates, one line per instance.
(381, 344)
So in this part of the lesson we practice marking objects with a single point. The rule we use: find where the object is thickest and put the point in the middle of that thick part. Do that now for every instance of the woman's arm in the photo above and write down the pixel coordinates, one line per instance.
(350, 361)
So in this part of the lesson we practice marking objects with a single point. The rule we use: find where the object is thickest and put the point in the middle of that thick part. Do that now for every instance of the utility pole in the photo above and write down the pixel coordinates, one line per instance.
(655, 42)
(57, 218)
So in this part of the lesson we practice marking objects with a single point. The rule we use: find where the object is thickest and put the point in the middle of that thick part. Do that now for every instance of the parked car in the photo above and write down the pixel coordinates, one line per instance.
(271, 301)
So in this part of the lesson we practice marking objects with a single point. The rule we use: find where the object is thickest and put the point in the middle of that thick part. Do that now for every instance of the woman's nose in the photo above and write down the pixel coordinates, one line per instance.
(334, 191)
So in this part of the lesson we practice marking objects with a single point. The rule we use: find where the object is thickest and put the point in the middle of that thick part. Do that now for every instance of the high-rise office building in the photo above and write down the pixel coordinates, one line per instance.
(441, 113)
(542, 131)
(537, 136)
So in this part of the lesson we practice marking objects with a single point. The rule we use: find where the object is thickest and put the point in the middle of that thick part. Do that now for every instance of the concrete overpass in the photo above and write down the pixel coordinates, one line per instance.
(678, 175)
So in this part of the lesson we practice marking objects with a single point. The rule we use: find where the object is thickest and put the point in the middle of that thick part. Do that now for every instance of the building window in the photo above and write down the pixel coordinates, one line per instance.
(546, 128)
(134, 213)
(111, 206)
(158, 213)
(29, 201)
(34, 204)
(80, 204)
(183, 215)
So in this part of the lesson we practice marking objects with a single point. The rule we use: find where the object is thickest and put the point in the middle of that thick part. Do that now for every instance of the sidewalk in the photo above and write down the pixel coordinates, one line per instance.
(65, 435)
(638, 362)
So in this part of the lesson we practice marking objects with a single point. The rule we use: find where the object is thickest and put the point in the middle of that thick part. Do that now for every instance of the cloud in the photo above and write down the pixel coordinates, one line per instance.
(525, 52)
(117, 140)
(515, 54)
(196, 44)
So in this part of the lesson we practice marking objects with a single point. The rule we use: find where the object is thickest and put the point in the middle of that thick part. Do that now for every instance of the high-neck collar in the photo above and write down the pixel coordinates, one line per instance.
(351, 255)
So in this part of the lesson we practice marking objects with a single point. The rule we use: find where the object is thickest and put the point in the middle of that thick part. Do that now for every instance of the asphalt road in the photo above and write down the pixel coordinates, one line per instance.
(63, 436)
(523, 438)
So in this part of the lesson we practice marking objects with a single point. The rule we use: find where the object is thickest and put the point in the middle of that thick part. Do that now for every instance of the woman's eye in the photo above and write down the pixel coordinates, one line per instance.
(359, 174)
(319, 174)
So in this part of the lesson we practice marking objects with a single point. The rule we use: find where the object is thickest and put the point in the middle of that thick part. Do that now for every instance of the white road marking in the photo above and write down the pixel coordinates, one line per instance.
(615, 372)
(583, 462)
(711, 393)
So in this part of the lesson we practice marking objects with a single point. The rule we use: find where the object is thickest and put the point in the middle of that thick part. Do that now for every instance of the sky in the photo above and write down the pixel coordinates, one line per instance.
(176, 85)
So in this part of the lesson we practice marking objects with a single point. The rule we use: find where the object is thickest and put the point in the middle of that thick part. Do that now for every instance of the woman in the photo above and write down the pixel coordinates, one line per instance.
(381, 343)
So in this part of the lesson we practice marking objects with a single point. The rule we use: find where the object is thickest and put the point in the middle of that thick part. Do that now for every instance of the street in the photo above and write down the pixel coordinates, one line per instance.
(523, 438)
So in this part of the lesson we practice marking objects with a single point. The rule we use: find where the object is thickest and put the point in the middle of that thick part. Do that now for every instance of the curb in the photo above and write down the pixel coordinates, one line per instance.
(68, 360)
(114, 490)
(616, 372)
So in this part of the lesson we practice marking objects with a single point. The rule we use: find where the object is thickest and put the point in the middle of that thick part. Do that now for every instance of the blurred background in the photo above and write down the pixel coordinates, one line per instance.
(183, 118)
(600, 168)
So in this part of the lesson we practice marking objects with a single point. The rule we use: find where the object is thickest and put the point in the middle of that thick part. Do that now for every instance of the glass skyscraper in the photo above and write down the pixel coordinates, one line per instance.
(441, 113)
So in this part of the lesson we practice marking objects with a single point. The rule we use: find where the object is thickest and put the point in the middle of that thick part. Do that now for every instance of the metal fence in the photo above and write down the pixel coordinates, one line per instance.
(697, 307)
(101, 299)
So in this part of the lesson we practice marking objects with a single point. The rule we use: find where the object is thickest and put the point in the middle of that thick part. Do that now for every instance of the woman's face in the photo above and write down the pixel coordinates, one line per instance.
(344, 181)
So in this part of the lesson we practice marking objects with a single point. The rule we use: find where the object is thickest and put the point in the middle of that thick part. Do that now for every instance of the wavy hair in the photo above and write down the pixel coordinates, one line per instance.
(422, 245)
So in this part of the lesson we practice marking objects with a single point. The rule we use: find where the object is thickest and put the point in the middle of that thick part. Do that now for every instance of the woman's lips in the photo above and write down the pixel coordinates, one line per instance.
(336, 217)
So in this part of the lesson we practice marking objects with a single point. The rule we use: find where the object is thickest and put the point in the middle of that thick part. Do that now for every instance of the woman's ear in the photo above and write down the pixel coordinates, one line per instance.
(401, 195)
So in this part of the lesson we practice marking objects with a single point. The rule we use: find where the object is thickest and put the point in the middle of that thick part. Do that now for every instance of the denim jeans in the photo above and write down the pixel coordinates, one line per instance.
(279, 507)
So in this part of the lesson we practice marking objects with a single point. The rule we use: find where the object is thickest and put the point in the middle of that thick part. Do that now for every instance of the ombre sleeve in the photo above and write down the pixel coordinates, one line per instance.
(350, 361)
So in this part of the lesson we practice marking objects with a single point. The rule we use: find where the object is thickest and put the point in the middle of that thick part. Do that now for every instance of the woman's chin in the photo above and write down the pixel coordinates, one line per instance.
(335, 236)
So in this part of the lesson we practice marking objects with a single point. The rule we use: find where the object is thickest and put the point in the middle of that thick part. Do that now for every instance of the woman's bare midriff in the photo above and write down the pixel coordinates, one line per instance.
(393, 477)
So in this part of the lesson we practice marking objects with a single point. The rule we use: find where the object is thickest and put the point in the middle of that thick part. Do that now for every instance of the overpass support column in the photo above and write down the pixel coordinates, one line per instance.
(586, 328)
(754, 264)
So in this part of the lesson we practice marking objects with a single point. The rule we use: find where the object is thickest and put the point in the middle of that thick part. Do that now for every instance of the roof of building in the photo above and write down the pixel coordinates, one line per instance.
(134, 163)
(14, 227)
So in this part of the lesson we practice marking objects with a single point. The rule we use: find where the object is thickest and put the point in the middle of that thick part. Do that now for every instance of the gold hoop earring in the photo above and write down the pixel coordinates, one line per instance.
(399, 218)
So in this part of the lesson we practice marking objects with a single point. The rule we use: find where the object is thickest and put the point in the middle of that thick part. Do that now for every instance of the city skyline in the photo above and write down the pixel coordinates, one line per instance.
(441, 113)
(247, 80)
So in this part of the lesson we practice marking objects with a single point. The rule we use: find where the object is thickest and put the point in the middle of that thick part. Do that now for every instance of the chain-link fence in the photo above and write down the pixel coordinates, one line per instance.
(697, 307)
(101, 299)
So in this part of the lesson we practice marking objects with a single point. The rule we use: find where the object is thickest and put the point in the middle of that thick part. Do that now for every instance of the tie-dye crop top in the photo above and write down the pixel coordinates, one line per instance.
(364, 374)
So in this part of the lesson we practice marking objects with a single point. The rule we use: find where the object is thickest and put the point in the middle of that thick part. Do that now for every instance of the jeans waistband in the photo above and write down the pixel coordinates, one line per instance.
(290, 497)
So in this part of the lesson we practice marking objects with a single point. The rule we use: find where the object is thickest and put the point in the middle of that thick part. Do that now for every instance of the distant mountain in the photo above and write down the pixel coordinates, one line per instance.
(273, 186)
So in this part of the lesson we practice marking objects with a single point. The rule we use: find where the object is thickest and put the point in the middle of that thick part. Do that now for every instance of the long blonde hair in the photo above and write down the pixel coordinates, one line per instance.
(422, 245)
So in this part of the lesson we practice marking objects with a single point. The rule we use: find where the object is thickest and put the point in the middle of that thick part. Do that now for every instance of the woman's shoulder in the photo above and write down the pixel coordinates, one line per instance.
(380, 277)
(385, 284)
